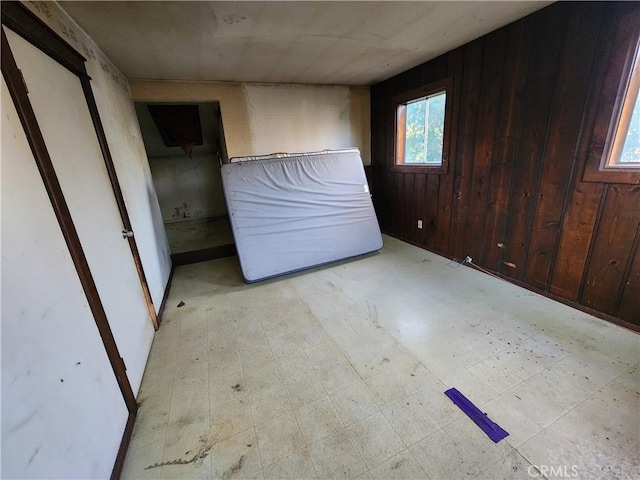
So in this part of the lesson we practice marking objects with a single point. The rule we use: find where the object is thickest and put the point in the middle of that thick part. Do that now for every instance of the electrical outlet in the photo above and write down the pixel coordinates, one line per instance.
(420, 224)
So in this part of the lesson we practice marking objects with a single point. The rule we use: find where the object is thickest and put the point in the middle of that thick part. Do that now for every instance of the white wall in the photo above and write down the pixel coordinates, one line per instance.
(61, 110)
(260, 119)
(62, 411)
(188, 188)
(63, 414)
(121, 127)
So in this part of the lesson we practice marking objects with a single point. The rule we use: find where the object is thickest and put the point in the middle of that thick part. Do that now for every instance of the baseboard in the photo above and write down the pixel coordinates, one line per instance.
(202, 255)
(578, 306)
(165, 296)
(124, 447)
(571, 303)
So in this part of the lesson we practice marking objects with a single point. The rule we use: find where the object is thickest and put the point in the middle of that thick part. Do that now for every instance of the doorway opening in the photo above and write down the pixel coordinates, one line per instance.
(186, 148)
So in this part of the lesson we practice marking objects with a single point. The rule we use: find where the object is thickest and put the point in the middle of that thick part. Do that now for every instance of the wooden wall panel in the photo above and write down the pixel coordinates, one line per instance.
(506, 141)
(421, 202)
(628, 308)
(409, 205)
(431, 219)
(513, 197)
(558, 163)
(455, 64)
(399, 208)
(578, 224)
(467, 124)
(537, 105)
(489, 99)
(612, 247)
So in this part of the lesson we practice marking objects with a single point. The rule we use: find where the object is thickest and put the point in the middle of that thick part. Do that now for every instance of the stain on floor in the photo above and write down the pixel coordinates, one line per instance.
(233, 469)
(200, 455)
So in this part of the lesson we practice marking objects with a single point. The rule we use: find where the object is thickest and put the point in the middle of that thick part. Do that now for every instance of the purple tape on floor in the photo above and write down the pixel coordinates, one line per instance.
(493, 430)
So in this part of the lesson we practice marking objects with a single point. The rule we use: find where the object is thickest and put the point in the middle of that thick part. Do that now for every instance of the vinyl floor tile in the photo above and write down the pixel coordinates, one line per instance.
(326, 374)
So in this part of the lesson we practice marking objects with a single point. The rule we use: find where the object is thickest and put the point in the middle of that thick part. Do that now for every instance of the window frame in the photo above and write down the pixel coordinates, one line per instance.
(399, 114)
(615, 102)
(629, 99)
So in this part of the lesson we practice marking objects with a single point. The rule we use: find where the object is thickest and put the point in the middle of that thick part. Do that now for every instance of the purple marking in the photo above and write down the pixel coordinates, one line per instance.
(493, 430)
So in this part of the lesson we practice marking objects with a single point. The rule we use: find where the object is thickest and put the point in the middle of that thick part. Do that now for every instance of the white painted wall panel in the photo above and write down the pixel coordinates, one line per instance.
(63, 415)
(63, 116)
(121, 128)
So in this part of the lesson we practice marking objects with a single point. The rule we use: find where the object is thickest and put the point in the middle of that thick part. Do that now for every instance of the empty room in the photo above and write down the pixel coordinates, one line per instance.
(320, 239)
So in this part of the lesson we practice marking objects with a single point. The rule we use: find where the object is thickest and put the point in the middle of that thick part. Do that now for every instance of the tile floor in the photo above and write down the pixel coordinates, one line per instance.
(198, 234)
(339, 372)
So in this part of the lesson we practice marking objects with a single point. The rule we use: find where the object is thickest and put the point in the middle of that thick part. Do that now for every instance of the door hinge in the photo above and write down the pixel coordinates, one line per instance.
(127, 233)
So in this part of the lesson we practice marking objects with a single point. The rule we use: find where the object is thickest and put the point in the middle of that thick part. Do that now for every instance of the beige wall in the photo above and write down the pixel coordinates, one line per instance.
(188, 188)
(259, 119)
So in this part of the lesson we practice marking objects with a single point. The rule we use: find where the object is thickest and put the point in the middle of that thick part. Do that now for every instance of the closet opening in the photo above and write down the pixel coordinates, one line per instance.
(185, 146)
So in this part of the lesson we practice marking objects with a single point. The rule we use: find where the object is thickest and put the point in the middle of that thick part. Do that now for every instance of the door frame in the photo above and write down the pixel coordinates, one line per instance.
(17, 18)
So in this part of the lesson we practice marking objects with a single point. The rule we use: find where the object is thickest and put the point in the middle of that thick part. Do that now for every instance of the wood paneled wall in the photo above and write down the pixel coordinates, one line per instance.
(513, 199)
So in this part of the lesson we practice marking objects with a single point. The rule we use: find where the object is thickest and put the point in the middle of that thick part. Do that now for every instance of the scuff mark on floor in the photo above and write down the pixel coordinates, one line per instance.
(397, 464)
(233, 469)
(200, 455)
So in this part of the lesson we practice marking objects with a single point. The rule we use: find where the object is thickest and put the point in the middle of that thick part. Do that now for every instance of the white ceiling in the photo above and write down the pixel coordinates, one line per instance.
(308, 42)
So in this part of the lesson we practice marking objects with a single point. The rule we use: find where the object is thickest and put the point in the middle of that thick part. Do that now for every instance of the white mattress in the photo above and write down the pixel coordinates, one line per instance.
(299, 211)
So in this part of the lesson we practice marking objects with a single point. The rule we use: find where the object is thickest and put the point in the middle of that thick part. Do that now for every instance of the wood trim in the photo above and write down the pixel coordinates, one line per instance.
(423, 91)
(422, 169)
(117, 191)
(630, 95)
(28, 26)
(167, 288)
(609, 101)
(203, 255)
(401, 132)
(18, 92)
(399, 109)
(124, 447)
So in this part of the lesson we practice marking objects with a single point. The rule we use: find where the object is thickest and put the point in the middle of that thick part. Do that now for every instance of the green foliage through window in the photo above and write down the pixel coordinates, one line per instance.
(424, 133)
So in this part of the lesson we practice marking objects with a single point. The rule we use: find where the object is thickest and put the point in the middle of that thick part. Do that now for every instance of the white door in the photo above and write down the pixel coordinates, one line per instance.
(63, 116)
(63, 414)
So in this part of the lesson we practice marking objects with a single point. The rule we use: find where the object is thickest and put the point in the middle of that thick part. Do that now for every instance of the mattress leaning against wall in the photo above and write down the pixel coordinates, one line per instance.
(299, 211)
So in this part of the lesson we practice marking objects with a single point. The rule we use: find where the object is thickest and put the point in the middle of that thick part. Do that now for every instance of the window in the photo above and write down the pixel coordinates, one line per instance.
(625, 149)
(614, 152)
(422, 128)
